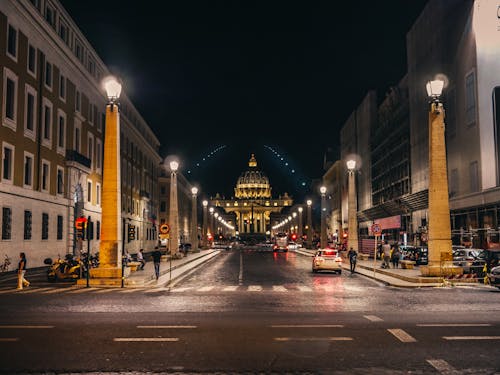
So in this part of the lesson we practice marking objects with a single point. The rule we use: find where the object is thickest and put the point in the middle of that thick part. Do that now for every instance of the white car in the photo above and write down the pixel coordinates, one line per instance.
(293, 245)
(327, 260)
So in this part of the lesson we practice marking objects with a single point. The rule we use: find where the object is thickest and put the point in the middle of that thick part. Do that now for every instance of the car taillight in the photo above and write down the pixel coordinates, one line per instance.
(338, 260)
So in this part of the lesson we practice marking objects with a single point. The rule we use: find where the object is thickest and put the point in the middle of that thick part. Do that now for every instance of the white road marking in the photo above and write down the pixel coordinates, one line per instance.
(373, 318)
(441, 365)
(168, 327)
(24, 327)
(401, 335)
(145, 339)
(35, 290)
(304, 288)
(8, 339)
(205, 289)
(129, 290)
(279, 288)
(104, 290)
(58, 290)
(471, 337)
(454, 325)
(307, 326)
(254, 288)
(81, 290)
(313, 339)
(10, 290)
(231, 288)
(179, 290)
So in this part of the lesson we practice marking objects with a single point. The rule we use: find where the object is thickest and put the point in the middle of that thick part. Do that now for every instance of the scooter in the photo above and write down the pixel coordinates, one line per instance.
(68, 268)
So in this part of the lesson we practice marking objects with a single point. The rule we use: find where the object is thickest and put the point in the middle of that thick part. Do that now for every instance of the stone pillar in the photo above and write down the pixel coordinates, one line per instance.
(173, 216)
(352, 209)
(194, 224)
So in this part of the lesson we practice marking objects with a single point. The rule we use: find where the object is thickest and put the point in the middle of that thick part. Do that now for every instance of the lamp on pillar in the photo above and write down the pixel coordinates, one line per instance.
(309, 224)
(323, 239)
(299, 235)
(109, 270)
(173, 213)
(294, 225)
(211, 222)
(205, 224)
(352, 220)
(194, 219)
(439, 232)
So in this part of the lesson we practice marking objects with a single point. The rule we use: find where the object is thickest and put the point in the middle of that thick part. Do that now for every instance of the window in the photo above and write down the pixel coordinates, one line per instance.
(12, 42)
(10, 99)
(50, 15)
(30, 112)
(59, 227)
(60, 181)
(6, 223)
(45, 175)
(89, 191)
(78, 101)
(47, 123)
(474, 177)
(77, 139)
(62, 87)
(98, 230)
(48, 75)
(102, 123)
(61, 132)
(97, 194)
(63, 31)
(45, 226)
(32, 60)
(98, 154)
(470, 99)
(28, 221)
(78, 50)
(28, 169)
(90, 149)
(7, 163)
(163, 206)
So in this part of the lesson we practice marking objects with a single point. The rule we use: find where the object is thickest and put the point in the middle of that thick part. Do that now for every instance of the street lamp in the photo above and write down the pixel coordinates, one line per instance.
(173, 212)
(111, 226)
(205, 223)
(352, 226)
(299, 235)
(211, 225)
(309, 224)
(439, 232)
(194, 219)
(323, 239)
(294, 215)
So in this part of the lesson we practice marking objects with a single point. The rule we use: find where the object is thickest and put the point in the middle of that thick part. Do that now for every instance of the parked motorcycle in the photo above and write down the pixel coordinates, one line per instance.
(68, 268)
(93, 262)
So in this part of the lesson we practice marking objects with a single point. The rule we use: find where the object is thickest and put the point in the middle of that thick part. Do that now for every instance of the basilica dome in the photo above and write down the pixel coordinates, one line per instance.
(252, 184)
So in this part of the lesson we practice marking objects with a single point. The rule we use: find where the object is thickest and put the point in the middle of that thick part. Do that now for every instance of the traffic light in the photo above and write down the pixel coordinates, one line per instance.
(90, 230)
(294, 236)
(131, 232)
(80, 225)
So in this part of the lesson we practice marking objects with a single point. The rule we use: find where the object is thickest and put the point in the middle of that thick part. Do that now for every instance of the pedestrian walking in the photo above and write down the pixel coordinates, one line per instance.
(386, 253)
(353, 255)
(395, 257)
(156, 260)
(140, 258)
(21, 271)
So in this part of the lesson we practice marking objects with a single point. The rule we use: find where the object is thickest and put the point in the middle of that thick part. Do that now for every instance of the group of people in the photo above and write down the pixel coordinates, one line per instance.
(389, 254)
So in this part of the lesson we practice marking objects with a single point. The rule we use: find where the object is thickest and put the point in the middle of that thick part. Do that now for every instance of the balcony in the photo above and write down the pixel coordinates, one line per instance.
(74, 158)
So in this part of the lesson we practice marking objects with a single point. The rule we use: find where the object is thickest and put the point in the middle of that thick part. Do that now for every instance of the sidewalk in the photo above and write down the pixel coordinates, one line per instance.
(169, 270)
(403, 278)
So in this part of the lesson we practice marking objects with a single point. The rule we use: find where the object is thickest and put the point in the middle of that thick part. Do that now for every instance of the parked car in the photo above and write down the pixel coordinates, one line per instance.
(327, 260)
(292, 245)
(419, 254)
(469, 259)
(494, 276)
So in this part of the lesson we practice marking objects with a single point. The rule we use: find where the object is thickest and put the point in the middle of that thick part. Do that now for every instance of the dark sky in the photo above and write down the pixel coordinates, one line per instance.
(246, 75)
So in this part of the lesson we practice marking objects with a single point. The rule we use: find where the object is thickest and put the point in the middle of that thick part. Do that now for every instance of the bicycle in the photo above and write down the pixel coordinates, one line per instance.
(6, 263)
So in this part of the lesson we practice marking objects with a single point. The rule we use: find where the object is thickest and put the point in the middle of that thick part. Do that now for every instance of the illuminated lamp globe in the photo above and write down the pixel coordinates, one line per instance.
(435, 88)
(113, 88)
(322, 190)
(351, 164)
(194, 190)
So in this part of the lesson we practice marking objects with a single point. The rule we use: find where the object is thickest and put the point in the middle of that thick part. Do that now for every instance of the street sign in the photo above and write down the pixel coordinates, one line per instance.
(376, 229)
(164, 228)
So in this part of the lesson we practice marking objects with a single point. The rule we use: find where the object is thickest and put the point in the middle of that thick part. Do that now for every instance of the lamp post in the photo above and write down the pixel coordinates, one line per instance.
(352, 240)
(211, 224)
(299, 235)
(309, 224)
(439, 243)
(194, 220)
(205, 224)
(294, 225)
(173, 212)
(323, 239)
(111, 225)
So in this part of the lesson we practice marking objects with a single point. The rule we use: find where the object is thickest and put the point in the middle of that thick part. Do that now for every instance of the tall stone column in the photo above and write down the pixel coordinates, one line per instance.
(173, 216)
(352, 208)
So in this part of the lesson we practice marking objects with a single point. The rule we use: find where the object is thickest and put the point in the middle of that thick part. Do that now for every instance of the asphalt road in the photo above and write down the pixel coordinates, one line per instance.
(251, 312)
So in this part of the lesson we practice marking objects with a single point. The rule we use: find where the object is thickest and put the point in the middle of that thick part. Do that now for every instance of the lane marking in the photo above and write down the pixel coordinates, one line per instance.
(454, 325)
(231, 288)
(179, 290)
(441, 365)
(8, 339)
(471, 337)
(304, 288)
(307, 326)
(168, 327)
(81, 290)
(240, 276)
(401, 335)
(279, 288)
(34, 290)
(105, 290)
(373, 318)
(313, 339)
(146, 339)
(205, 289)
(57, 290)
(254, 288)
(12, 326)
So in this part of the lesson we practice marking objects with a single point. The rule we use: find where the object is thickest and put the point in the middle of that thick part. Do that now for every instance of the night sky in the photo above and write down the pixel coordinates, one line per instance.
(252, 76)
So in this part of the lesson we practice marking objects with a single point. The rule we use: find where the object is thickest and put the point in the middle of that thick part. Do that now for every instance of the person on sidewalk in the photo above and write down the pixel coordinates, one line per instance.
(156, 260)
(21, 271)
(353, 255)
(140, 258)
(386, 253)
(395, 257)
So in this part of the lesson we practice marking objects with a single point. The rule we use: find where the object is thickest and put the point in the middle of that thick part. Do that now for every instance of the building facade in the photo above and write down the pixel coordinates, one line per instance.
(52, 136)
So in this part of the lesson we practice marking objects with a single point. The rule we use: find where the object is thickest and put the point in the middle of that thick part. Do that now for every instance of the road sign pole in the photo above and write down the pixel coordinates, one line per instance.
(375, 256)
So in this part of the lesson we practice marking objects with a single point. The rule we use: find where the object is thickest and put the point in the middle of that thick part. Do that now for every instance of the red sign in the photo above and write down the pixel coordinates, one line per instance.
(376, 229)
(392, 222)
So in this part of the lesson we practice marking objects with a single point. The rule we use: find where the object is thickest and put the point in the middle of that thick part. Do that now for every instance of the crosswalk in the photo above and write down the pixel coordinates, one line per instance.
(225, 289)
